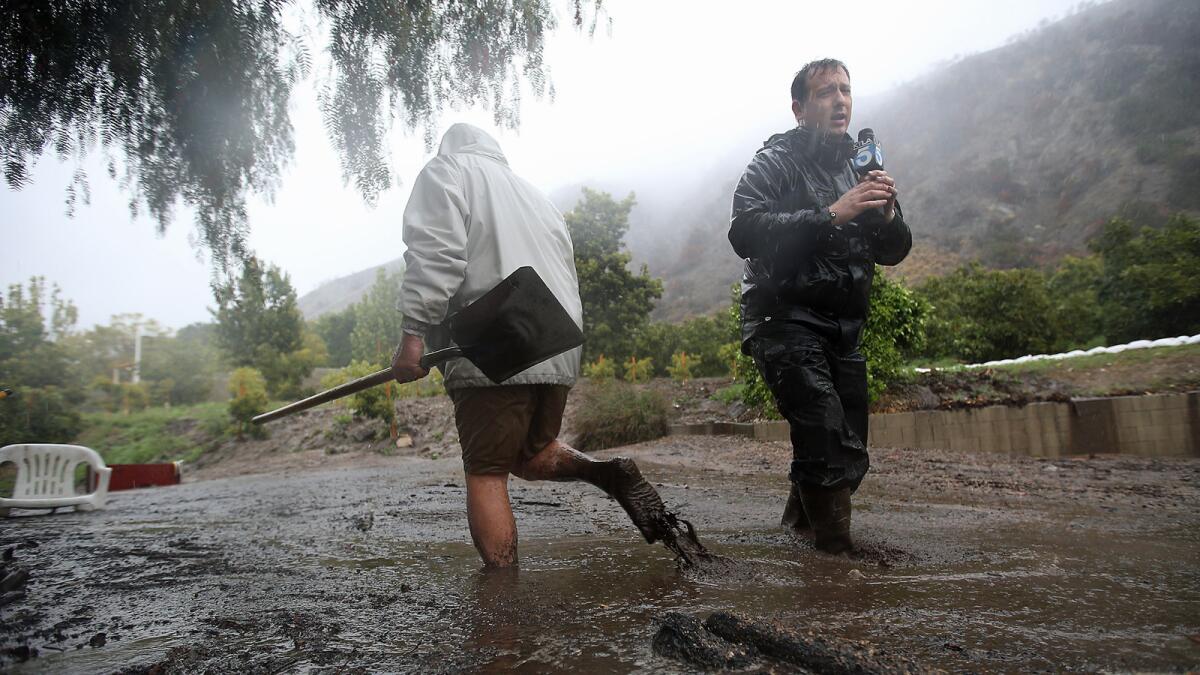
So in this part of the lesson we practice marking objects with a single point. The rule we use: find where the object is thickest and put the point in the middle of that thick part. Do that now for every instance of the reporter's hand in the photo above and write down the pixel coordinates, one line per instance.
(406, 362)
(880, 176)
(876, 190)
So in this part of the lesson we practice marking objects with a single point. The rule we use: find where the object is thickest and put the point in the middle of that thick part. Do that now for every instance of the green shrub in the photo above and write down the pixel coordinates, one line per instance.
(731, 394)
(682, 365)
(895, 328)
(729, 356)
(756, 395)
(600, 369)
(374, 403)
(639, 370)
(701, 337)
(248, 389)
(38, 415)
(613, 413)
(1150, 278)
(979, 314)
(1074, 288)
(135, 396)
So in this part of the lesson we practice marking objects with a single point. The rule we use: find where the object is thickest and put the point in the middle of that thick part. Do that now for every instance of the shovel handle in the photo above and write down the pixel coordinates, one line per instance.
(428, 361)
(440, 356)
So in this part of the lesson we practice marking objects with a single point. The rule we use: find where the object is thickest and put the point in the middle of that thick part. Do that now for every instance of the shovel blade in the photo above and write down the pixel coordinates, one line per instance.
(516, 325)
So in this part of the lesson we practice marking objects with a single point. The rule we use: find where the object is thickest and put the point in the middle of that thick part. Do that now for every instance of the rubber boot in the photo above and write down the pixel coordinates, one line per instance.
(622, 480)
(829, 513)
(794, 516)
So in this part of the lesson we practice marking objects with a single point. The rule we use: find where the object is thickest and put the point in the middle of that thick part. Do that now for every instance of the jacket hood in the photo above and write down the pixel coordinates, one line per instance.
(468, 139)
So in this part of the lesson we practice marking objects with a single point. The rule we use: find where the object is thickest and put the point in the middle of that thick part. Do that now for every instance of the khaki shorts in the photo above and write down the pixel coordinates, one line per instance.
(499, 427)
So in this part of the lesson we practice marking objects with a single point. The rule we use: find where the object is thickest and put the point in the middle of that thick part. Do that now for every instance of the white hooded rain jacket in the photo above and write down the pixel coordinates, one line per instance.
(469, 223)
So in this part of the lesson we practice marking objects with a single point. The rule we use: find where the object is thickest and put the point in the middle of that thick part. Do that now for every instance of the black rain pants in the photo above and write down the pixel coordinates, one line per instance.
(820, 388)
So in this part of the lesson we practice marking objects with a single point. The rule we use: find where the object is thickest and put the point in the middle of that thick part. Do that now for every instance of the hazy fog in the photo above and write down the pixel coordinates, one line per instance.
(676, 90)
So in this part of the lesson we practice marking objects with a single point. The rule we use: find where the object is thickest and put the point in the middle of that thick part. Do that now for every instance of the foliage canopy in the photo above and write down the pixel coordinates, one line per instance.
(35, 320)
(616, 302)
(192, 96)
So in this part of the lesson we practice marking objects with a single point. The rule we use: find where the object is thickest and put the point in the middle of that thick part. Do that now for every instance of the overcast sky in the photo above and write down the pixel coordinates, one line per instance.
(673, 88)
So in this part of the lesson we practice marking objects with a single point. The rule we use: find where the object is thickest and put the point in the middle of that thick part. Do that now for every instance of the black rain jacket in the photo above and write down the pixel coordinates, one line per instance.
(800, 267)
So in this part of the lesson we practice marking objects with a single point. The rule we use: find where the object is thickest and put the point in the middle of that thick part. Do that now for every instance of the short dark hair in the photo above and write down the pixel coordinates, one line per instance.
(800, 82)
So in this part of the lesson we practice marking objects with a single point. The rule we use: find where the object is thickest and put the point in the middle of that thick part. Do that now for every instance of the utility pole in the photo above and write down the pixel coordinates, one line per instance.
(137, 353)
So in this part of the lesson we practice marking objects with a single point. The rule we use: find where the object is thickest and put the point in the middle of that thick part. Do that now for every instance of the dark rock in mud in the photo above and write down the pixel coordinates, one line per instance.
(22, 652)
(684, 638)
(98, 640)
(364, 522)
(820, 654)
(11, 597)
(13, 581)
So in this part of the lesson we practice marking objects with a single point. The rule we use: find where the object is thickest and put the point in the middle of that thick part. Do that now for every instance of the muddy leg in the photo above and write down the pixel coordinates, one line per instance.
(619, 478)
(490, 516)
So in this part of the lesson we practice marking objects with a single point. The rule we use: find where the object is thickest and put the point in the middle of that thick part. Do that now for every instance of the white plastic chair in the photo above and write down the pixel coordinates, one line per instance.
(46, 477)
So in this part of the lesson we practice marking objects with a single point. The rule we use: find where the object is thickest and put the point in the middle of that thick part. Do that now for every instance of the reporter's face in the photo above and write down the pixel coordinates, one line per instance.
(829, 102)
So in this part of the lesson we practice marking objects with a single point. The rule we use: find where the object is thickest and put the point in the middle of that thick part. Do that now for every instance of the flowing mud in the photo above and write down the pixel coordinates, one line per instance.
(964, 563)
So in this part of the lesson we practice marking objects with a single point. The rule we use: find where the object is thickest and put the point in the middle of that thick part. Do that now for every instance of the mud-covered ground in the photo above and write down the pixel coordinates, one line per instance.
(969, 563)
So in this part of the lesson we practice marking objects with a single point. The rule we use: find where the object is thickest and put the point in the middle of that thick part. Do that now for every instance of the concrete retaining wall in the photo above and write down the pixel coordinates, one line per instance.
(1158, 425)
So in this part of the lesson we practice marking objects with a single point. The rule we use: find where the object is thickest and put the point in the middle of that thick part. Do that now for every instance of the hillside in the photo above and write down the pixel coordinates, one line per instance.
(340, 293)
(1016, 156)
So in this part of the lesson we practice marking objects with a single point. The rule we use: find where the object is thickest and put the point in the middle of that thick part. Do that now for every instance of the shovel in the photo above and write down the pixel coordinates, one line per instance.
(516, 325)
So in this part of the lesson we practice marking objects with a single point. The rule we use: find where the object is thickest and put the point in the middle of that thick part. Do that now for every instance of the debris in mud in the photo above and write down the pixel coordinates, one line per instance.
(98, 640)
(12, 581)
(818, 653)
(11, 597)
(730, 641)
(684, 638)
(22, 652)
(364, 522)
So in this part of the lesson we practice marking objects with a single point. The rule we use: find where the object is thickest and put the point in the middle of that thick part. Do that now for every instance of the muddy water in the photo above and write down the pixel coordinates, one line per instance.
(321, 572)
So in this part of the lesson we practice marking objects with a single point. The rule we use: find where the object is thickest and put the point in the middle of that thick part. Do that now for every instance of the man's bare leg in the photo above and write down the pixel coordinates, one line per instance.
(619, 478)
(560, 462)
(490, 516)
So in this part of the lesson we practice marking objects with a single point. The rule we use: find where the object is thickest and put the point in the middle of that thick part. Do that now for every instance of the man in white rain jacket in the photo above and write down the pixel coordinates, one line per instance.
(469, 223)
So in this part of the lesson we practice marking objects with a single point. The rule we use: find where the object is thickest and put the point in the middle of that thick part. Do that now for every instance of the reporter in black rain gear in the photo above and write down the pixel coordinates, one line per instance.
(811, 231)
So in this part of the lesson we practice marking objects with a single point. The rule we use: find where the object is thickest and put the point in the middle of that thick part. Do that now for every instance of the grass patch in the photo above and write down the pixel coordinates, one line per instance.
(155, 434)
(734, 393)
(616, 413)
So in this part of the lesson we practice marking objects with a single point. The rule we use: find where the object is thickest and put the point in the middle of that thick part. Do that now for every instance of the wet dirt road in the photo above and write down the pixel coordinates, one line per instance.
(970, 562)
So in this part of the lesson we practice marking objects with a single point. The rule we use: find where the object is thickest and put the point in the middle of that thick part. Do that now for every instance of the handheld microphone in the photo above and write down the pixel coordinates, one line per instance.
(868, 154)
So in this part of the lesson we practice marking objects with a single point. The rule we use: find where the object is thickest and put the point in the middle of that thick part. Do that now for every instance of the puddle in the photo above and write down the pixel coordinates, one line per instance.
(948, 587)
(590, 606)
